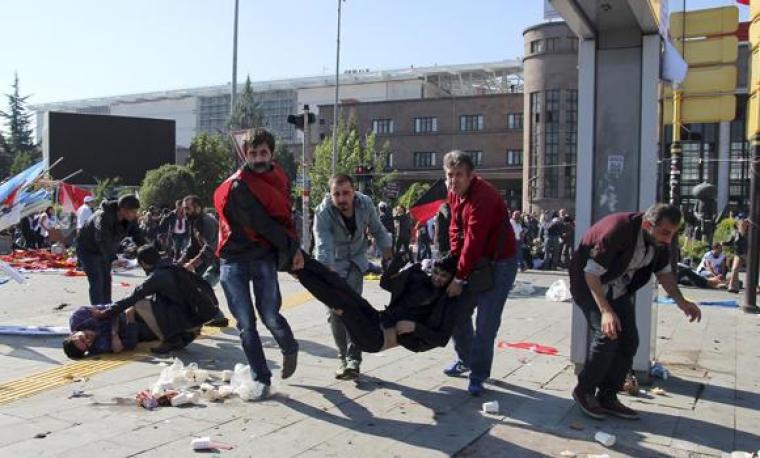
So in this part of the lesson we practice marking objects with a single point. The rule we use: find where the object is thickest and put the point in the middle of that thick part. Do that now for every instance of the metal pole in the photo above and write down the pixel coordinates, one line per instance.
(305, 185)
(750, 282)
(233, 97)
(675, 172)
(335, 105)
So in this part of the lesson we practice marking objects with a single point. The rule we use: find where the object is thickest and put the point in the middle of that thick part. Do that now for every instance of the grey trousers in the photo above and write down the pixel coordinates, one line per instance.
(347, 350)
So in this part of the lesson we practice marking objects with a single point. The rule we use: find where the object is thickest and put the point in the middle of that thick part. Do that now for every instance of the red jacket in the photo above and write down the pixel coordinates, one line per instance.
(482, 214)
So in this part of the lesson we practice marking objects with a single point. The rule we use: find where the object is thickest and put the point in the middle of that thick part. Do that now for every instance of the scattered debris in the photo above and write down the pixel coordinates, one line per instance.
(522, 288)
(608, 440)
(698, 395)
(740, 454)
(184, 398)
(68, 376)
(603, 455)
(534, 347)
(205, 443)
(78, 394)
(41, 435)
(226, 375)
(568, 454)
(558, 291)
(659, 371)
(491, 407)
(61, 306)
(658, 391)
(631, 385)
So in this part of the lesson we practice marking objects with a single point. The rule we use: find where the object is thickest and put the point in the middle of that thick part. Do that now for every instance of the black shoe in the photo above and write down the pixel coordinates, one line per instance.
(168, 346)
(340, 372)
(352, 371)
(612, 405)
(219, 321)
(289, 363)
(588, 404)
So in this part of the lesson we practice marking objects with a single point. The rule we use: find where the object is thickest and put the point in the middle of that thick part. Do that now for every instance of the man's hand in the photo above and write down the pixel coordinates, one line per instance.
(610, 325)
(116, 345)
(691, 310)
(387, 253)
(454, 289)
(405, 327)
(189, 267)
(297, 263)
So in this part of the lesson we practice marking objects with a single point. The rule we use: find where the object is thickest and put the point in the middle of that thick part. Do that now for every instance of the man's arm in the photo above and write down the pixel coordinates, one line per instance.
(669, 284)
(152, 285)
(475, 238)
(610, 321)
(324, 240)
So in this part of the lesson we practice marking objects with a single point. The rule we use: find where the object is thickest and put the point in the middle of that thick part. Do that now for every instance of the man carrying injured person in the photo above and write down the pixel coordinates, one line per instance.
(420, 315)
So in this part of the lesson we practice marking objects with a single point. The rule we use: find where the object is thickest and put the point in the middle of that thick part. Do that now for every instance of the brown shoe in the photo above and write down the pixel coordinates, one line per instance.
(613, 406)
(588, 404)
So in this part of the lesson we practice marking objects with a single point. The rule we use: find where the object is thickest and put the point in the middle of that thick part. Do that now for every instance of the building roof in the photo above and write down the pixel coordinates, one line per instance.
(348, 77)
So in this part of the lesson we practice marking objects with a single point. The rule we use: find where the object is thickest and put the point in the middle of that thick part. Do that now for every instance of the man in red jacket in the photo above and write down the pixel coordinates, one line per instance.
(257, 238)
(479, 233)
(616, 257)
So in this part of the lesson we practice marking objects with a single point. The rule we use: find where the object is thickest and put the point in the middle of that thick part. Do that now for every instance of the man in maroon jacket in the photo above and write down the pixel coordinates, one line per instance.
(479, 229)
(616, 257)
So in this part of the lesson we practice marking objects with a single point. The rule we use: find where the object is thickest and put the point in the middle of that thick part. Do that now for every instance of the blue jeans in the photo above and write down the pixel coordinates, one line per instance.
(98, 271)
(475, 347)
(236, 278)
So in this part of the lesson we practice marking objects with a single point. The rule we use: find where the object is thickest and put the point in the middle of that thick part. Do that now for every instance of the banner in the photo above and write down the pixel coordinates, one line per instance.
(71, 197)
(13, 185)
(428, 204)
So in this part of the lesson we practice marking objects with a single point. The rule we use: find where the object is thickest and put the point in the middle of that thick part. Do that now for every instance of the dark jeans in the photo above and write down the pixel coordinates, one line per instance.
(178, 244)
(475, 347)
(609, 361)
(236, 278)
(98, 272)
(551, 253)
(359, 318)
(688, 277)
(348, 350)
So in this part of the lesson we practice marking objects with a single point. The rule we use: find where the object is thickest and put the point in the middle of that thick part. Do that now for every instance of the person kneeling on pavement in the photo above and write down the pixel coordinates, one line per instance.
(91, 336)
(181, 301)
(420, 315)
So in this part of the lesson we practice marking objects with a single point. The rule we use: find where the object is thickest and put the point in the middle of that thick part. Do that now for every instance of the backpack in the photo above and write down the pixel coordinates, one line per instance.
(197, 294)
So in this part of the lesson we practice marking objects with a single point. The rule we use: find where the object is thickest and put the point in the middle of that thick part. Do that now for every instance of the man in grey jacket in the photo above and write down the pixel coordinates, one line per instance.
(341, 222)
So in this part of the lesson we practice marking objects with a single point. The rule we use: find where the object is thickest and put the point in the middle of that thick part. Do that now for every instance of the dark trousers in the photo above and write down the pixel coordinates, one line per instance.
(360, 319)
(609, 361)
(98, 270)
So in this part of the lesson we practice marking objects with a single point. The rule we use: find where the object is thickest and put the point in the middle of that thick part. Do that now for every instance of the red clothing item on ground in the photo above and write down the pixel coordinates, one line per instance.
(482, 214)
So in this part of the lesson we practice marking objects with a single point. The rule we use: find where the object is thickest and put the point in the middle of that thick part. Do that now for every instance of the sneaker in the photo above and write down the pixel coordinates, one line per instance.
(613, 406)
(475, 388)
(340, 372)
(289, 363)
(352, 371)
(588, 404)
(456, 369)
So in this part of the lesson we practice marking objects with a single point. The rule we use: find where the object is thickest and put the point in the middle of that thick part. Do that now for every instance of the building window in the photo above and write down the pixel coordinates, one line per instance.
(571, 140)
(389, 161)
(426, 124)
(536, 135)
(536, 46)
(471, 123)
(552, 44)
(424, 160)
(213, 113)
(551, 127)
(514, 157)
(476, 156)
(515, 121)
(382, 126)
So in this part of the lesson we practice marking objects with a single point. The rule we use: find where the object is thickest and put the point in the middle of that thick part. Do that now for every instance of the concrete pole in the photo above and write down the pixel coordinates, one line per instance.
(750, 282)
(233, 96)
(337, 88)
(305, 185)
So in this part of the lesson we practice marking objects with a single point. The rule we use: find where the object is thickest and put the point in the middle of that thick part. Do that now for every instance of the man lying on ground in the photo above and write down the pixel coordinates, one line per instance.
(91, 336)
(420, 315)
(173, 302)
(689, 277)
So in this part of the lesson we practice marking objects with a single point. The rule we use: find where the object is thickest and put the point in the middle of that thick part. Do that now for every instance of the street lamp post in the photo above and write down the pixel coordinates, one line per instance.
(335, 104)
(233, 95)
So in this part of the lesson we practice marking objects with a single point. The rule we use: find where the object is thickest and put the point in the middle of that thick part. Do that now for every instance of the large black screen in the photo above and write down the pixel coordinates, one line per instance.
(107, 146)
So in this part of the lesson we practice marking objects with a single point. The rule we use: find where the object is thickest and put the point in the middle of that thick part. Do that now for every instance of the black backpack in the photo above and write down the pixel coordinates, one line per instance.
(197, 294)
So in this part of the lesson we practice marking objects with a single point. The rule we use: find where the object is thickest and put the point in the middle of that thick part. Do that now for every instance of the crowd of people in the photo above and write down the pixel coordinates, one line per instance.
(449, 277)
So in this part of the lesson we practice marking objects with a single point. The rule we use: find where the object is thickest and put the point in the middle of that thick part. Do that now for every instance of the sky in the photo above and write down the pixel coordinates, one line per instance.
(64, 50)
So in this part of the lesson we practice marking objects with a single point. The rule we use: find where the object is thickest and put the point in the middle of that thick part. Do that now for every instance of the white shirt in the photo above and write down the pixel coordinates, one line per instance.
(643, 255)
(517, 229)
(83, 215)
(715, 261)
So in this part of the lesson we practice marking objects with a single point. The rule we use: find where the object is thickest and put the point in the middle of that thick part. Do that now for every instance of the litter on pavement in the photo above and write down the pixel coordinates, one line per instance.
(558, 291)
(534, 347)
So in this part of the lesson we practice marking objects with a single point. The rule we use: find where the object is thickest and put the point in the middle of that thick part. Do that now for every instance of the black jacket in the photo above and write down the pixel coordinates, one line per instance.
(244, 210)
(204, 235)
(414, 298)
(103, 232)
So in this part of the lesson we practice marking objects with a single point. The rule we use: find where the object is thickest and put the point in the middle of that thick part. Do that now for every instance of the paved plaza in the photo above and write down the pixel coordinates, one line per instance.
(401, 406)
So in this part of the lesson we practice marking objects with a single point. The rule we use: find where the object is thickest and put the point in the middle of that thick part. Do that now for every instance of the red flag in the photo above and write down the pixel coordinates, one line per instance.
(71, 197)
(743, 2)
(428, 204)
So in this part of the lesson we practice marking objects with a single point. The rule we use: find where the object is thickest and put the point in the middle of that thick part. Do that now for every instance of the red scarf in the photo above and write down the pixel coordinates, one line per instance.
(271, 189)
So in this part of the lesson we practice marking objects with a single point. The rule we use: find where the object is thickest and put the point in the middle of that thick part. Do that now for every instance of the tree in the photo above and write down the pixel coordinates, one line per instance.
(22, 161)
(210, 162)
(413, 193)
(165, 185)
(105, 188)
(6, 159)
(353, 151)
(19, 123)
(246, 113)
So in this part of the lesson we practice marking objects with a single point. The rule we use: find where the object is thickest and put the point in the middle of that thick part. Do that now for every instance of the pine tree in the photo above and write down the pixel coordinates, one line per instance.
(247, 113)
(5, 159)
(19, 121)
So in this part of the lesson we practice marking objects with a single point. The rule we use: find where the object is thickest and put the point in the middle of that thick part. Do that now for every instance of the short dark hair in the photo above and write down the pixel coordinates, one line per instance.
(148, 254)
(658, 212)
(447, 264)
(71, 350)
(258, 136)
(193, 199)
(129, 202)
(458, 158)
(340, 179)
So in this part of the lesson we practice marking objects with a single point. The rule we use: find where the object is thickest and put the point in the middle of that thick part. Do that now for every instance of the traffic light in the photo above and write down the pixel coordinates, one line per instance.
(297, 120)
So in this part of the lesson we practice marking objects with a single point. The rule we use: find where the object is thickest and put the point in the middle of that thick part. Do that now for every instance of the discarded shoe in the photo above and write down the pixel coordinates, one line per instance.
(456, 369)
